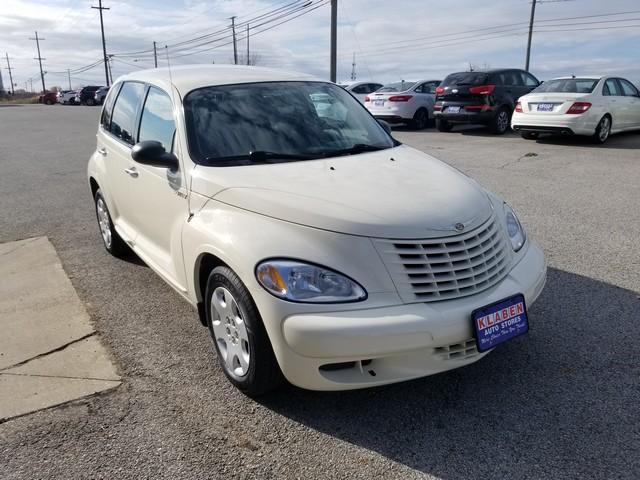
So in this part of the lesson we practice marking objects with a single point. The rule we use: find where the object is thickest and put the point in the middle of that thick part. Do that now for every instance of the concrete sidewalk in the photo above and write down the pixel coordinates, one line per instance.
(49, 353)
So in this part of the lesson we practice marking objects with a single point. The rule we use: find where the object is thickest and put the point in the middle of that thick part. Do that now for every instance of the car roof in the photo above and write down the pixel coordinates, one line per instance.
(190, 77)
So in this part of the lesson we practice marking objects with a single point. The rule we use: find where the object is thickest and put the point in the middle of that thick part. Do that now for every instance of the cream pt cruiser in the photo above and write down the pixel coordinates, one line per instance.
(314, 245)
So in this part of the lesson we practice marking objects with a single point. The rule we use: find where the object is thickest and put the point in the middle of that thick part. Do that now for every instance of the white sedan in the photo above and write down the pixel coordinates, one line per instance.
(404, 102)
(66, 97)
(360, 90)
(592, 106)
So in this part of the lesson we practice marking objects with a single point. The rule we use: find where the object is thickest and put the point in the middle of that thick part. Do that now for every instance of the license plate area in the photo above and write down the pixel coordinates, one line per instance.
(545, 107)
(453, 109)
(501, 321)
(378, 103)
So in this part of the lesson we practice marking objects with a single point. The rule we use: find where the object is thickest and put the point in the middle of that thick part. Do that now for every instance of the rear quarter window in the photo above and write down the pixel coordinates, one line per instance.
(125, 111)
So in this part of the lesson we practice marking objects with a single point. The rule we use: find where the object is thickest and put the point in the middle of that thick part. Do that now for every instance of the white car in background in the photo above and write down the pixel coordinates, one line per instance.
(592, 106)
(360, 90)
(67, 97)
(404, 102)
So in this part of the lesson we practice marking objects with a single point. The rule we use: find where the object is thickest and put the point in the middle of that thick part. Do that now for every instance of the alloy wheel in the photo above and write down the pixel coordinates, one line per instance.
(104, 222)
(605, 129)
(230, 332)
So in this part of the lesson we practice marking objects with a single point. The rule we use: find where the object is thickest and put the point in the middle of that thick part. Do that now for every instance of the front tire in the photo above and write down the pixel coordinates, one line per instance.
(91, 102)
(603, 130)
(238, 334)
(500, 123)
(110, 238)
(443, 125)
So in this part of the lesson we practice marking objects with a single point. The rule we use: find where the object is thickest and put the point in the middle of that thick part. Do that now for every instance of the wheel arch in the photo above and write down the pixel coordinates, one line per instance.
(204, 265)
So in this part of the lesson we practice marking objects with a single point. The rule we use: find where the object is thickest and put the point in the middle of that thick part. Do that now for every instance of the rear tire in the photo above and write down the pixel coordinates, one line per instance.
(48, 102)
(238, 334)
(91, 102)
(500, 123)
(443, 125)
(530, 135)
(603, 130)
(110, 238)
(420, 119)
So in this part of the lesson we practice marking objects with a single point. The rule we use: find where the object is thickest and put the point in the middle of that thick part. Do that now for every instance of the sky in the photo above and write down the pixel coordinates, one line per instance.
(392, 40)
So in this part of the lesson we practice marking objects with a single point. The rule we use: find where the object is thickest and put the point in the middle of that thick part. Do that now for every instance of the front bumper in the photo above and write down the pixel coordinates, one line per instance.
(364, 348)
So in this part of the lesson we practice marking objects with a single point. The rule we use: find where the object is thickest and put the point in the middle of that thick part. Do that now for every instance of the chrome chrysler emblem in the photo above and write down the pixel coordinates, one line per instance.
(455, 90)
(459, 227)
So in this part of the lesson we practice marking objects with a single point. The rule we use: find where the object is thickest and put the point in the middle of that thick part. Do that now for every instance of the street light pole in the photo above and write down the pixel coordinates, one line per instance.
(100, 8)
(10, 76)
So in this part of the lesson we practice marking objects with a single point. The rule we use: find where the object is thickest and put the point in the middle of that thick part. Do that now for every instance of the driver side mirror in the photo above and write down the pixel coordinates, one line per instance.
(150, 152)
(385, 125)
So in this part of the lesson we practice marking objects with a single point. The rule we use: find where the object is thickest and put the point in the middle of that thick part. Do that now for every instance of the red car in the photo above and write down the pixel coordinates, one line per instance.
(48, 98)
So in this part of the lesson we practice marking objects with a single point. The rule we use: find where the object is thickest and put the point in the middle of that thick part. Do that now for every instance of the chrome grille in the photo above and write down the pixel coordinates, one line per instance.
(428, 270)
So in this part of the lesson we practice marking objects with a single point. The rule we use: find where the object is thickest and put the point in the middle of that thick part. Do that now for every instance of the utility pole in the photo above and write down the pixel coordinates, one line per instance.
(353, 67)
(100, 8)
(334, 39)
(69, 77)
(248, 62)
(155, 55)
(31, 85)
(533, 13)
(39, 58)
(235, 47)
(10, 76)
(109, 65)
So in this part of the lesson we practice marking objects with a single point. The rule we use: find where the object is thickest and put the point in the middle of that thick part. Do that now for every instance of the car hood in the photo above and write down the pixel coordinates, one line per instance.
(395, 193)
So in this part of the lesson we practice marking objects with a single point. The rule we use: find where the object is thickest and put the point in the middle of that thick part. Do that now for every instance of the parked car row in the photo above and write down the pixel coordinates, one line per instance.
(509, 98)
(90, 95)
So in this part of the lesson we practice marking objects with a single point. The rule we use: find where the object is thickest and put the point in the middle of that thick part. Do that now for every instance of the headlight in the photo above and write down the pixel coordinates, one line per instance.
(302, 282)
(514, 229)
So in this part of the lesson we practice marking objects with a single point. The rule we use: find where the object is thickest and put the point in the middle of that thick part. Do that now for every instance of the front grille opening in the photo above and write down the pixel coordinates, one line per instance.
(332, 367)
(450, 267)
(461, 350)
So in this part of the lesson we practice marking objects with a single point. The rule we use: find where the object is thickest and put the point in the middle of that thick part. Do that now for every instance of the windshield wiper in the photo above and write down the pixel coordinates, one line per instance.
(261, 156)
(357, 148)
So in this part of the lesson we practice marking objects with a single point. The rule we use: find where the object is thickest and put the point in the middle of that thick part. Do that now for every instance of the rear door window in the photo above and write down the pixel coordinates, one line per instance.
(611, 88)
(157, 121)
(125, 111)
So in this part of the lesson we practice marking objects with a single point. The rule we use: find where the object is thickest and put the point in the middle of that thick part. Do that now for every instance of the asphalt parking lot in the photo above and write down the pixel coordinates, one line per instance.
(562, 402)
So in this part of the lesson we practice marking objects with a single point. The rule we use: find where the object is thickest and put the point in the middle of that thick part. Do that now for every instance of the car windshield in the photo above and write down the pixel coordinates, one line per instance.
(465, 78)
(568, 85)
(278, 121)
(397, 87)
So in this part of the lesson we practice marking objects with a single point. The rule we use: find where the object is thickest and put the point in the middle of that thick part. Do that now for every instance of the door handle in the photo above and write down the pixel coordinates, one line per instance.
(132, 172)
(102, 151)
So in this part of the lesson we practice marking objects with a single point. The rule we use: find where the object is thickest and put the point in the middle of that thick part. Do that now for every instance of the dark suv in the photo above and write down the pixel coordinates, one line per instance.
(86, 95)
(486, 98)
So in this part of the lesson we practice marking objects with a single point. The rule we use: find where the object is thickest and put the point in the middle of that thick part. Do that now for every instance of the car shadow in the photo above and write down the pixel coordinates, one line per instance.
(625, 140)
(559, 402)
